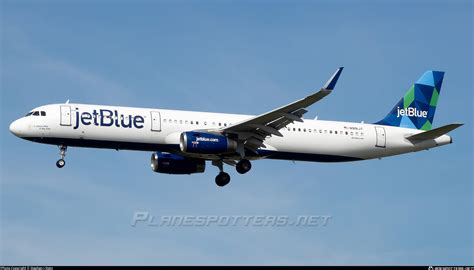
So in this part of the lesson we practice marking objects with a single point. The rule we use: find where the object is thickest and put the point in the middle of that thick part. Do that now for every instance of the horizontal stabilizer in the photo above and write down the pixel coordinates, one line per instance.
(434, 133)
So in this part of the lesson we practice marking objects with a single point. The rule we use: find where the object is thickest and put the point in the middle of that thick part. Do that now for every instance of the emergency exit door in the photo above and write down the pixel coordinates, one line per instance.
(65, 116)
(155, 121)
(380, 140)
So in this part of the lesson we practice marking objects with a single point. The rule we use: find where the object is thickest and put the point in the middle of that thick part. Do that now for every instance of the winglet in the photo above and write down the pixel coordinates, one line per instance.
(332, 82)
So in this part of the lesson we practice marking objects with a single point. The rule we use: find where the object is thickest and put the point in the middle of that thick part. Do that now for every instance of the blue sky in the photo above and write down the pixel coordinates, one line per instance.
(237, 57)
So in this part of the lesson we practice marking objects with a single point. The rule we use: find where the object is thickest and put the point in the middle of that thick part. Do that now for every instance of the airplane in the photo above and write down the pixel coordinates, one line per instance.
(182, 141)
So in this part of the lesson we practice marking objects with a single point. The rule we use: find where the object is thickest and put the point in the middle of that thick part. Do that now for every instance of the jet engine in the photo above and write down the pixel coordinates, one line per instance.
(206, 143)
(175, 164)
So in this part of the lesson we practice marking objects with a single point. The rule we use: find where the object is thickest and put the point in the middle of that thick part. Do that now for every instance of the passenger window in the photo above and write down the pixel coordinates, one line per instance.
(197, 123)
(192, 123)
(176, 121)
(205, 123)
(36, 113)
(294, 129)
(299, 129)
(335, 132)
(330, 132)
(186, 122)
(309, 130)
(347, 133)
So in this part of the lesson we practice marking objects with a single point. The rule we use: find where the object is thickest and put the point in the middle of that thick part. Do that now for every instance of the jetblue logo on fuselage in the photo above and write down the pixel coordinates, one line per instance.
(108, 118)
(410, 111)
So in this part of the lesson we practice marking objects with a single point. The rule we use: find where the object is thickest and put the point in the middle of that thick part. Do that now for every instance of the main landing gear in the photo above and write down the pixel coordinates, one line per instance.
(243, 166)
(223, 178)
(62, 153)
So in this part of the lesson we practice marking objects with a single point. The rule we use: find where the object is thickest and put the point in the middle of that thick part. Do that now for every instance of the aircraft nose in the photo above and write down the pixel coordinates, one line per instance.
(15, 128)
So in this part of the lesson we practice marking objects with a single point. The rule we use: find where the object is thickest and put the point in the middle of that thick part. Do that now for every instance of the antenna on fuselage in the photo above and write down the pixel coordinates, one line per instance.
(67, 101)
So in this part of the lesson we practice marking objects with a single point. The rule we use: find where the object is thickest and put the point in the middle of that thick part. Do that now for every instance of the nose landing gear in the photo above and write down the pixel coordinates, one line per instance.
(62, 153)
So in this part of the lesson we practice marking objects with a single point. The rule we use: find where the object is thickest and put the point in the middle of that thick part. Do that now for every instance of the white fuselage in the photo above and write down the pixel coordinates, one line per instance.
(159, 130)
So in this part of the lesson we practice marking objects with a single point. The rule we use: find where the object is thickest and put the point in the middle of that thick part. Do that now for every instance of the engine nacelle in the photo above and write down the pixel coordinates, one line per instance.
(206, 143)
(175, 164)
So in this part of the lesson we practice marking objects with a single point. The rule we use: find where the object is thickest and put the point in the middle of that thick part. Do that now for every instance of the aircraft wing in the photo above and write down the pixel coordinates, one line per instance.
(253, 131)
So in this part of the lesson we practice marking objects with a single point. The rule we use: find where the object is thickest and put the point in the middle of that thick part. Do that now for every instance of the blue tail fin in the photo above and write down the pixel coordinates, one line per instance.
(417, 108)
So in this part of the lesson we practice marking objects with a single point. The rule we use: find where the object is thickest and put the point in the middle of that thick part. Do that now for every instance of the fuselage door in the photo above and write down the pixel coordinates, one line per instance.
(380, 139)
(65, 117)
(155, 121)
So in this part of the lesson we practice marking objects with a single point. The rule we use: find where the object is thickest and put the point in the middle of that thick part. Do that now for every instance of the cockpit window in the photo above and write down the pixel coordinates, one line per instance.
(36, 113)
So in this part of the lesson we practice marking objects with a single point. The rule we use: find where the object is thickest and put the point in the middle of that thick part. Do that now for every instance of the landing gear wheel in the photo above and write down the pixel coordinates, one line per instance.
(60, 163)
(62, 154)
(222, 179)
(243, 166)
